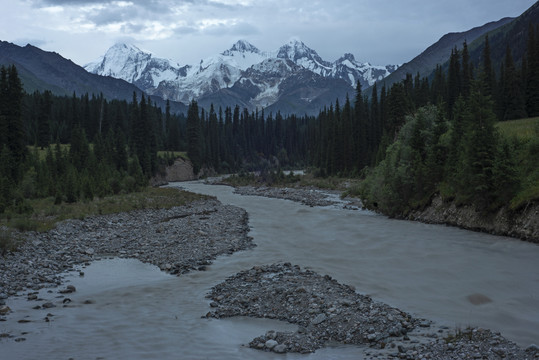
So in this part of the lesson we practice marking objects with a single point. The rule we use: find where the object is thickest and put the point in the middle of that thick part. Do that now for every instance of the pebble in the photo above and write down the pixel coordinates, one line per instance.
(285, 292)
(270, 344)
(44, 257)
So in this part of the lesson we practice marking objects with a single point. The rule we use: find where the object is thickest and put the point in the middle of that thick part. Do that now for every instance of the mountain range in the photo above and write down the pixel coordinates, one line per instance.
(292, 79)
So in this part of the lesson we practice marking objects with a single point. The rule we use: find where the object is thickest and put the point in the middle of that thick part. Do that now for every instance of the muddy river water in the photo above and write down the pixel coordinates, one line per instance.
(452, 276)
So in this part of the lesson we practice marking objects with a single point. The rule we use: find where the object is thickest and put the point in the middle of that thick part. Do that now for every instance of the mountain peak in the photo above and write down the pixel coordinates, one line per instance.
(242, 46)
(302, 55)
(347, 56)
(124, 48)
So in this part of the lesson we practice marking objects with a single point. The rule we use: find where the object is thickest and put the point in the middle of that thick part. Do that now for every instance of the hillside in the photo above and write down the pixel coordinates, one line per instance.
(439, 52)
(41, 70)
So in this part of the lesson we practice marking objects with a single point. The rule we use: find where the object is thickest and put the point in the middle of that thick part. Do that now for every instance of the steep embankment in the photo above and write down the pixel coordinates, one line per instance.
(181, 170)
(522, 224)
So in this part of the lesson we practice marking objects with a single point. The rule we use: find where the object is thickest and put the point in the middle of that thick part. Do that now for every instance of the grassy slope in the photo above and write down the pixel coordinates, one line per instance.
(522, 129)
(45, 214)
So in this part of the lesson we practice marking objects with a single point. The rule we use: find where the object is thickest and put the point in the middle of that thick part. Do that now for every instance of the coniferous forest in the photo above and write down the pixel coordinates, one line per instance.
(419, 137)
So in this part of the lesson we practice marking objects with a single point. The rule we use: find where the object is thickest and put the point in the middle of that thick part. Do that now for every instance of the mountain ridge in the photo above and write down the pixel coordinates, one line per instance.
(439, 52)
(228, 72)
(43, 70)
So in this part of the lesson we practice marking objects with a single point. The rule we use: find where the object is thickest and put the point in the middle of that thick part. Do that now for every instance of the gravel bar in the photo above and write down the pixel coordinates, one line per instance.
(327, 312)
(177, 240)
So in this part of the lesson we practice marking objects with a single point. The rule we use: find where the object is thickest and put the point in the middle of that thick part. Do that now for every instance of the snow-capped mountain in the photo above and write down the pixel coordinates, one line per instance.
(304, 56)
(129, 63)
(251, 77)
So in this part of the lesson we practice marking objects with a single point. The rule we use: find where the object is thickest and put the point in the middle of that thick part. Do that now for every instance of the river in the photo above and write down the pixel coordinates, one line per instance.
(452, 276)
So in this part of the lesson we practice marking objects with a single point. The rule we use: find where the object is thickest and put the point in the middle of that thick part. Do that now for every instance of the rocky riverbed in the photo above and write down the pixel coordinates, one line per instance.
(189, 237)
(327, 312)
(310, 197)
(177, 240)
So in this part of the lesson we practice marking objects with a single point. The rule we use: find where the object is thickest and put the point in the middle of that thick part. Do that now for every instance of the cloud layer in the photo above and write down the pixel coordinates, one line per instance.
(378, 31)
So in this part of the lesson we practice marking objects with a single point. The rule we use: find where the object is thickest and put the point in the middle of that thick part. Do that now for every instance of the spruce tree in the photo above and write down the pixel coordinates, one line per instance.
(466, 77)
(15, 126)
(480, 147)
(532, 73)
(194, 141)
(487, 72)
(43, 120)
(512, 101)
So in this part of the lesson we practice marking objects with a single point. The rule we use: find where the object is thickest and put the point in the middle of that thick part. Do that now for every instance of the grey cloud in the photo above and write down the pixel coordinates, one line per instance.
(112, 15)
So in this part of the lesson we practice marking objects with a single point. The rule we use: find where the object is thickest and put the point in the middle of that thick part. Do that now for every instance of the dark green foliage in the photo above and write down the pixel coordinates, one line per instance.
(194, 140)
(532, 72)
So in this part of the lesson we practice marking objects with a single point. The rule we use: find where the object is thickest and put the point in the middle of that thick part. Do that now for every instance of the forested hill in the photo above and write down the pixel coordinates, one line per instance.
(41, 70)
(438, 53)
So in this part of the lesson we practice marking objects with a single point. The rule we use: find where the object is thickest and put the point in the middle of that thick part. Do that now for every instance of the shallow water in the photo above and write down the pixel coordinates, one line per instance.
(455, 277)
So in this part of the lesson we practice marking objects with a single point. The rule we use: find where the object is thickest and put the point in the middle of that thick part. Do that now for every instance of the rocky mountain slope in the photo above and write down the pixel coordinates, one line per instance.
(293, 79)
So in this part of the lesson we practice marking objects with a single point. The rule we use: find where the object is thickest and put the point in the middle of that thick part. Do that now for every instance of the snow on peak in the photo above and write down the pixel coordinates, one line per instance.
(242, 46)
(295, 49)
(304, 56)
(242, 62)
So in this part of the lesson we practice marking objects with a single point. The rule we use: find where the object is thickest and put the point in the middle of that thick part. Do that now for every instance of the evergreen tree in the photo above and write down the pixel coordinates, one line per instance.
(487, 72)
(532, 73)
(480, 147)
(512, 102)
(466, 77)
(194, 142)
(15, 127)
(43, 118)
(454, 79)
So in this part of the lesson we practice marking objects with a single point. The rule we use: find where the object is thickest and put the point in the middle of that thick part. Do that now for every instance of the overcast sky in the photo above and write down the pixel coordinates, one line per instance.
(378, 31)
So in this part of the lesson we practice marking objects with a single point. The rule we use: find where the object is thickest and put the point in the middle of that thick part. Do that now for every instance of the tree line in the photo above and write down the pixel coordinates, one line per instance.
(441, 126)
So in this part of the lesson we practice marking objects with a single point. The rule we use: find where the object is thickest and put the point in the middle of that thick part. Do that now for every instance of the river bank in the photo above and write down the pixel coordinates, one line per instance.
(176, 240)
(188, 238)
(521, 224)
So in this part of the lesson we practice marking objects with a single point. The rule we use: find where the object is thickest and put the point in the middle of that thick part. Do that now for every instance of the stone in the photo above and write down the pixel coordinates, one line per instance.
(280, 349)
(4, 310)
(48, 305)
(270, 344)
(320, 318)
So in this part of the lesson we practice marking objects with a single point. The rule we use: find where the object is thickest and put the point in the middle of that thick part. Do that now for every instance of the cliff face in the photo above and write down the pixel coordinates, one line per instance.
(522, 224)
(181, 170)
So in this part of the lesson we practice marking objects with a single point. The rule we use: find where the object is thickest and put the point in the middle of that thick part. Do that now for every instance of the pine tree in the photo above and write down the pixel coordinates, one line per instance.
(480, 147)
(194, 148)
(532, 73)
(513, 104)
(3, 106)
(454, 79)
(15, 126)
(43, 120)
(466, 77)
(487, 72)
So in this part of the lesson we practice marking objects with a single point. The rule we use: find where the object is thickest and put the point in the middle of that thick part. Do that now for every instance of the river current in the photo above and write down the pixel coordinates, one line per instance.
(455, 277)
